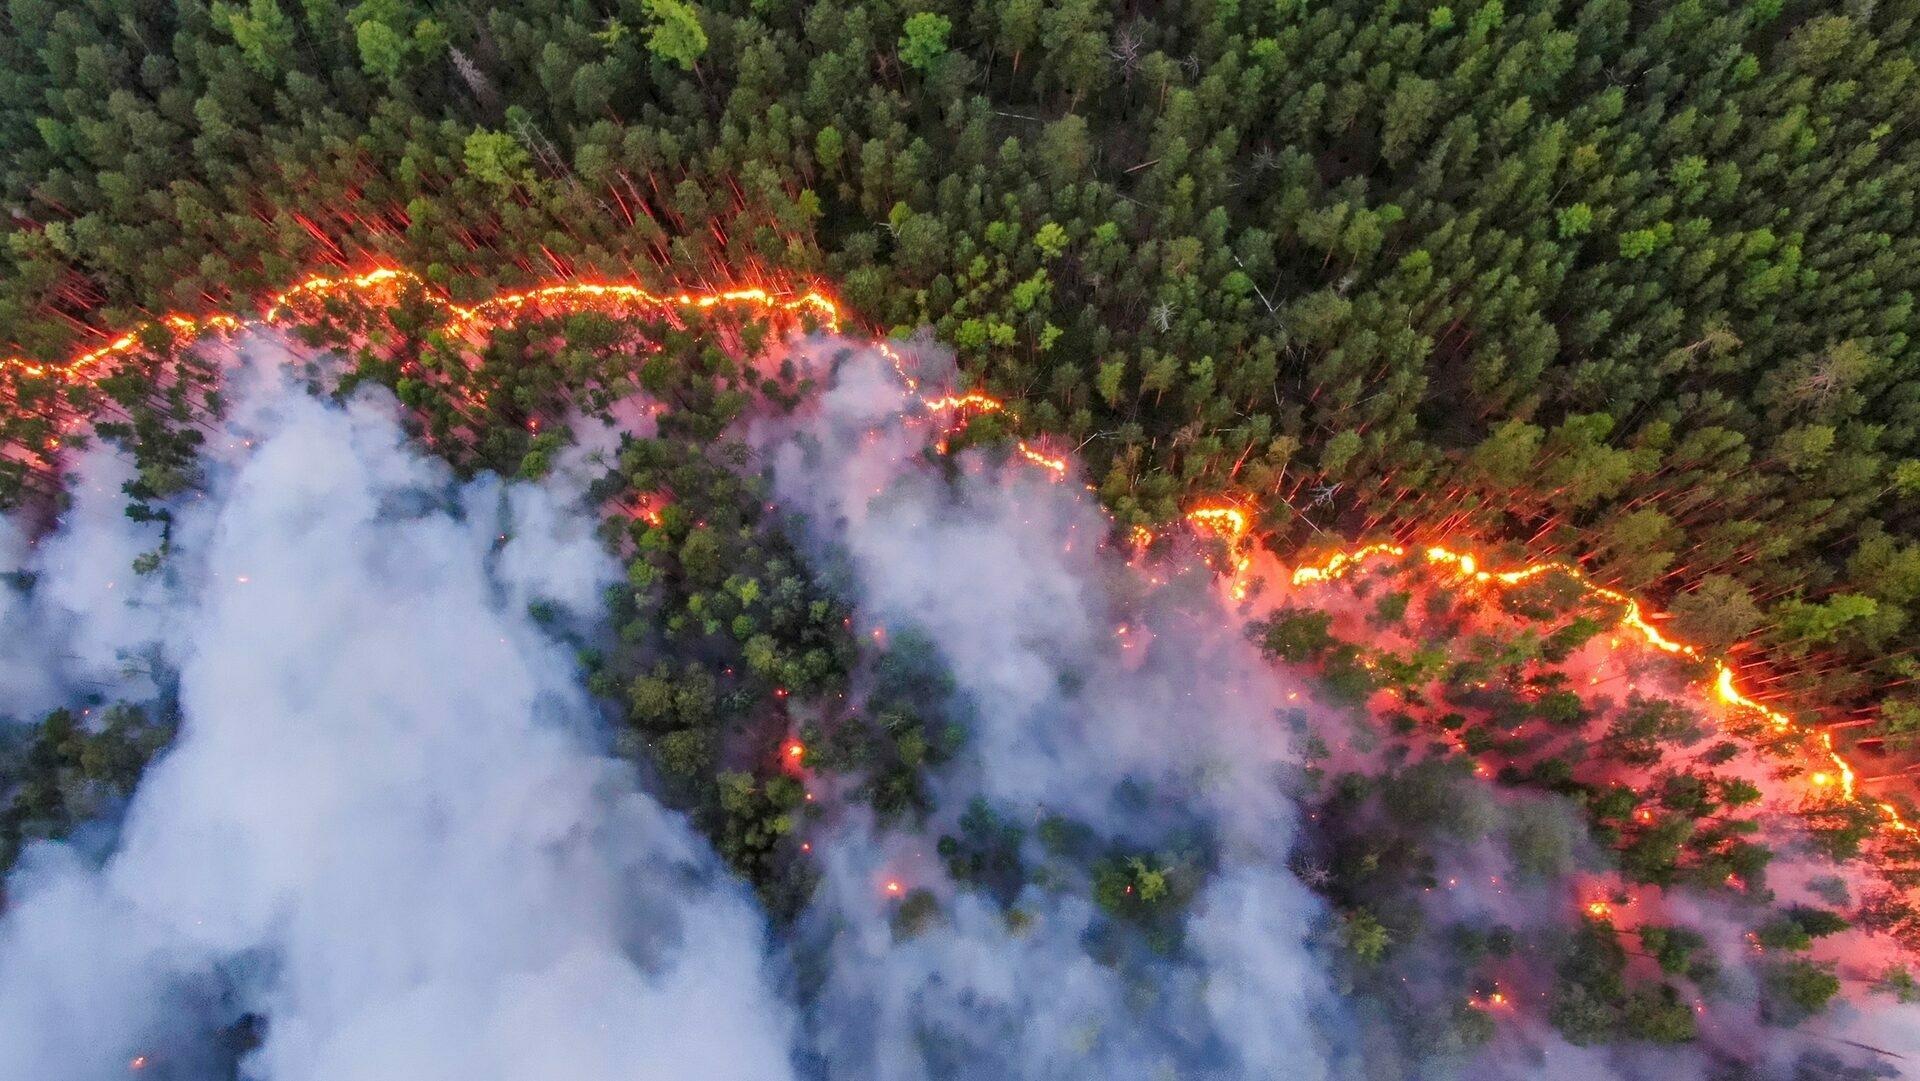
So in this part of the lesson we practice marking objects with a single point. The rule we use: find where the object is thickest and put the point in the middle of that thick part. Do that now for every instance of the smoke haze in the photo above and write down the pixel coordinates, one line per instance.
(1156, 736)
(389, 825)
(386, 823)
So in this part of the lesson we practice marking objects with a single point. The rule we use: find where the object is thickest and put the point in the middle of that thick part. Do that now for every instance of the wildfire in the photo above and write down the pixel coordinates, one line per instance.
(971, 402)
(1496, 1000)
(1231, 524)
(383, 281)
(648, 509)
(1056, 466)
(1227, 521)
(1634, 619)
(899, 365)
(1224, 520)
(1599, 910)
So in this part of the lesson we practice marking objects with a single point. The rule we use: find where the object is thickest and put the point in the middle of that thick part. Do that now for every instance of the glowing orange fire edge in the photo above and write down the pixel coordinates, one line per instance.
(1227, 521)
(1634, 619)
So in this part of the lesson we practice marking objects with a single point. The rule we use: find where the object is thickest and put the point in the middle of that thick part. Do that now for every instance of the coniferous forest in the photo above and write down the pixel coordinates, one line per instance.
(1629, 287)
(1628, 283)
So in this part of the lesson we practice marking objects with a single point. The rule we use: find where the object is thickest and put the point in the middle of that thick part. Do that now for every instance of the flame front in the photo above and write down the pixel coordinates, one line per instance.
(566, 296)
(1224, 520)
(1633, 619)
(1231, 524)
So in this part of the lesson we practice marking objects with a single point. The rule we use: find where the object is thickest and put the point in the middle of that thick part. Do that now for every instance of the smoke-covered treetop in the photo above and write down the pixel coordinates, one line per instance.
(792, 712)
(1631, 284)
(1339, 539)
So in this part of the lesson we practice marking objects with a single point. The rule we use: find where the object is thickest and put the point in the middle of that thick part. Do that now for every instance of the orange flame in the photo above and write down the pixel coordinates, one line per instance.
(1230, 523)
(973, 400)
(1634, 619)
(390, 282)
(648, 509)
(1056, 466)
(568, 296)
(1495, 1001)
(1224, 520)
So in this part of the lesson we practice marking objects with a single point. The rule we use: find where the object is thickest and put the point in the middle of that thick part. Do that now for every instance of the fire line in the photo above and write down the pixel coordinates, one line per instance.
(1229, 522)
(1634, 619)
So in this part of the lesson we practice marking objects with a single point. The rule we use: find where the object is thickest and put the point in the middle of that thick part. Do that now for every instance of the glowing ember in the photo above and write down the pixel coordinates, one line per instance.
(1057, 466)
(1495, 1001)
(1599, 910)
(1634, 619)
(649, 508)
(1230, 523)
(972, 401)
(387, 281)
(893, 886)
(139, 1062)
(795, 750)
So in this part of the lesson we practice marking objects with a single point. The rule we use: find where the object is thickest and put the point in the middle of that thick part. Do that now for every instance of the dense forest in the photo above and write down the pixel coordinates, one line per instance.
(1629, 285)
(1441, 717)
(1628, 282)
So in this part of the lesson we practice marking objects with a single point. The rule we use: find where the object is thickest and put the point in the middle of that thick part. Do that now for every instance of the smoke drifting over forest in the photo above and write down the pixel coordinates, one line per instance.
(1159, 738)
(386, 826)
(389, 840)
(1119, 692)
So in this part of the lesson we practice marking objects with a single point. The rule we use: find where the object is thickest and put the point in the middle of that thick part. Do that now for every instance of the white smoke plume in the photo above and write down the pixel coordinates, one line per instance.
(1127, 697)
(1084, 684)
(87, 609)
(387, 823)
(389, 827)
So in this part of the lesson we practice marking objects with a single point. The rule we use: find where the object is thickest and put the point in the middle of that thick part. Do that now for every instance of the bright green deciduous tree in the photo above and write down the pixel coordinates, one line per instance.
(925, 40)
(496, 158)
(674, 33)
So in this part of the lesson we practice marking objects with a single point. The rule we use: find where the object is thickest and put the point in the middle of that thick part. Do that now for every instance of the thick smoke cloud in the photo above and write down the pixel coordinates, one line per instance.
(1122, 693)
(386, 823)
(87, 616)
(1163, 729)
